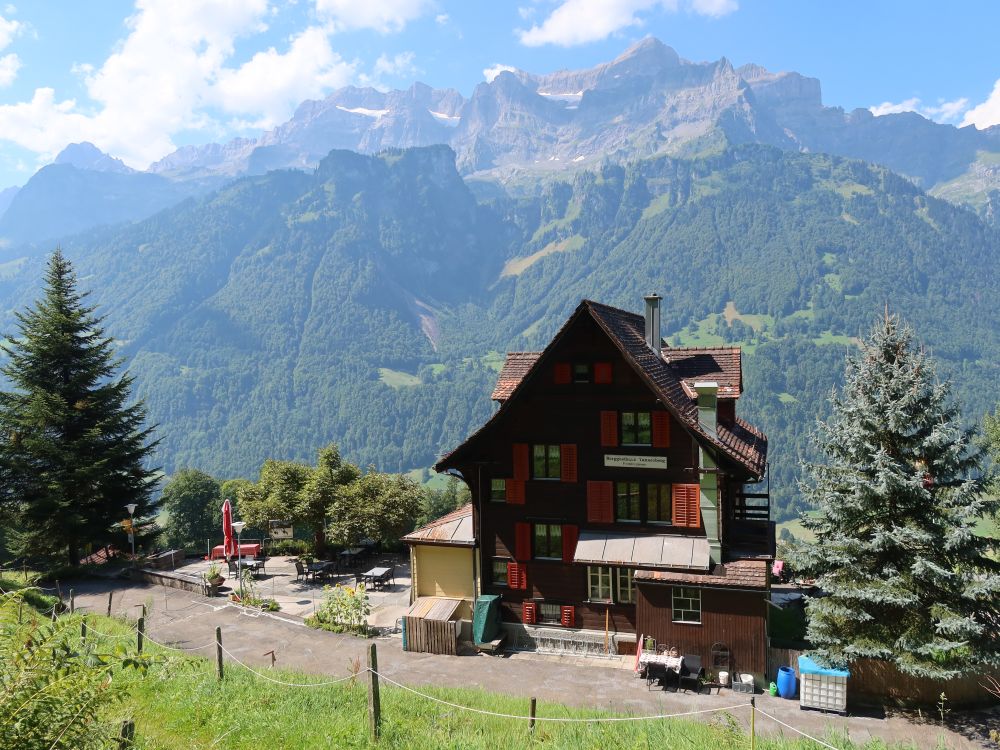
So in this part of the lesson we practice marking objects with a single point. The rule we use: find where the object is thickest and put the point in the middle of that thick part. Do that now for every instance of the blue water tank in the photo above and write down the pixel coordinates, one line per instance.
(786, 682)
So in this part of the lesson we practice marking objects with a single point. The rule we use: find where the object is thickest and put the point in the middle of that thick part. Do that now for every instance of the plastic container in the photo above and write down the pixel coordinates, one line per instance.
(724, 678)
(786, 682)
(772, 690)
(746, 679)
(822, 688)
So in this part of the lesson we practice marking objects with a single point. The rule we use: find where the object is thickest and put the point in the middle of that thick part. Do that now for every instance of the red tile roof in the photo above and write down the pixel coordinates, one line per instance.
(743, 574)
(515, 367)
(723, 365)
(740, 442)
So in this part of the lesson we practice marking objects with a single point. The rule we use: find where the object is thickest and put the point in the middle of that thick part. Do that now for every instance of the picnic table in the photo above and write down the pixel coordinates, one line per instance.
(247, 550)
(377, 577)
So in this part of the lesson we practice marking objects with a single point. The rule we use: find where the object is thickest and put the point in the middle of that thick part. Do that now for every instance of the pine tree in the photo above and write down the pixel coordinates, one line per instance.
(73, 450)
(904, 577)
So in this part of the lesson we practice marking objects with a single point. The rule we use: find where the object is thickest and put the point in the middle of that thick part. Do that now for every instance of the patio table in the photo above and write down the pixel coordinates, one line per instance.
(246, 549)
(670, 662)
(376, 576)
(323, 567)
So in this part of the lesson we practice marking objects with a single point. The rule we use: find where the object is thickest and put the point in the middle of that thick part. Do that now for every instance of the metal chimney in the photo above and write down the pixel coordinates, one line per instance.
(653, 321)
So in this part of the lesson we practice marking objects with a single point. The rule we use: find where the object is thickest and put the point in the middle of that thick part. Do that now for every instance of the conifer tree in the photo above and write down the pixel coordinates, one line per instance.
(73, 449)
(904, 577)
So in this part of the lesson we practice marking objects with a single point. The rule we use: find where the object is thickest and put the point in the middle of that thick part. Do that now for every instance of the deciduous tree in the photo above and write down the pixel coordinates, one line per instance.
(192, 500)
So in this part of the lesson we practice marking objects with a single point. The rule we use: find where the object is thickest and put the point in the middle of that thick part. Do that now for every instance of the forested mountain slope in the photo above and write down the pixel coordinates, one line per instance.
(368, 303)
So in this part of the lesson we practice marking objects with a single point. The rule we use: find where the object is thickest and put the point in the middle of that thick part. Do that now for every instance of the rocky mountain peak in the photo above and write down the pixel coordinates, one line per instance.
(86, 155)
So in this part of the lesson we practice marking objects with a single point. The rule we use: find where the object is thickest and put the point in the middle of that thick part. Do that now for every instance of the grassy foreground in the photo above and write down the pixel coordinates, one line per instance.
(180, 704)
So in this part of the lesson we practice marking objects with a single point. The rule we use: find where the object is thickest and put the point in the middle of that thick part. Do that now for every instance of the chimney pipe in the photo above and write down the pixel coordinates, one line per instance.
(653, 321)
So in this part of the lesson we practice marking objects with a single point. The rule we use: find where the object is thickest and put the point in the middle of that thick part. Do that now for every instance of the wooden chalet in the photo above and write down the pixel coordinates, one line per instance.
(610, 493)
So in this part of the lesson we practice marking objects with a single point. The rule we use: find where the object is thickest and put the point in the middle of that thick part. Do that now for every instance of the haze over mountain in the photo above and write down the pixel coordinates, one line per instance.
(521, 127)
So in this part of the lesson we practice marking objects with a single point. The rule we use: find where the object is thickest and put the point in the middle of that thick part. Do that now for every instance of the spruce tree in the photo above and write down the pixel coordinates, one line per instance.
(903, 576)
(73, 449)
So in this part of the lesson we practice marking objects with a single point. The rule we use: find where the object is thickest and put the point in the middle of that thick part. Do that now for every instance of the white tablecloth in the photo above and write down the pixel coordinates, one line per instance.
(671, 662)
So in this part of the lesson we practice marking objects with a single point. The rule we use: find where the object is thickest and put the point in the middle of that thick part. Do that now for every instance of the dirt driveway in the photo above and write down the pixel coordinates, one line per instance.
(188, 621)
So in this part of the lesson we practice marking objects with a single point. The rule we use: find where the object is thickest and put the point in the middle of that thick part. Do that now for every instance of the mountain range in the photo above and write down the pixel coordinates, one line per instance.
(367, 298)
(520, 127)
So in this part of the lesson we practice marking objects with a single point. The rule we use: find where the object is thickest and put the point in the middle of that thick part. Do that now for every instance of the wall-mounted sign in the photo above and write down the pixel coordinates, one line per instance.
(635, 462)
(280, 529)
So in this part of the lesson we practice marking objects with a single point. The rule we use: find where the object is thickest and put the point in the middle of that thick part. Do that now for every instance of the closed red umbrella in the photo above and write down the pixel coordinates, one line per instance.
(228, 542)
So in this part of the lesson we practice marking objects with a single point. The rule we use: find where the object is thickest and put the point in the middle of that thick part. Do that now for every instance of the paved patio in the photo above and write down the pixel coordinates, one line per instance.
(188, 621)
(302, 597)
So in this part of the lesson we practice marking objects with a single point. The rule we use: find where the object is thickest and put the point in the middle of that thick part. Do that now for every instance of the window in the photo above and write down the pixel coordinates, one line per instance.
(581, 373)
(549, 612)
(626, 589)
(636, 428)
(498, 490)
(658, 508)
(546, 461)
(548, 541)
(499, 572)
(627, 502)
(686, 605)
(598, 583)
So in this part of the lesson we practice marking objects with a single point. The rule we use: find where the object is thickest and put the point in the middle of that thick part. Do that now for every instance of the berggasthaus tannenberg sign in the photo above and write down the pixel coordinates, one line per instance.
(635, 462)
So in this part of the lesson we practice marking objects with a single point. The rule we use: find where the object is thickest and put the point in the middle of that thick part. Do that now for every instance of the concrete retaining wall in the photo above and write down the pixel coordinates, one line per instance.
(174, 580)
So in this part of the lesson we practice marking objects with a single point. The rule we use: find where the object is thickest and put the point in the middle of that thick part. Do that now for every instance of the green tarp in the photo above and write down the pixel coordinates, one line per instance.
(486, 618)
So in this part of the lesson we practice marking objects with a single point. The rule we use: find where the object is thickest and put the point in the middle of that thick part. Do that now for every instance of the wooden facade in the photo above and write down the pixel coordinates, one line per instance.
(586, 442)
(737, 619)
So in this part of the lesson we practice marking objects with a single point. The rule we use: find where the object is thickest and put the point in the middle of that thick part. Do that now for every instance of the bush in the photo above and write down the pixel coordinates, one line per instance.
(344, 609)
(290, 547)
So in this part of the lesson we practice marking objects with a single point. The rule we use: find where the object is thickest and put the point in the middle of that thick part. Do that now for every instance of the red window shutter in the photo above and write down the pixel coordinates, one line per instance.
(661, 429)
(609, 429)
(567, 616)
(528, 613)
(516, 576)
(520, 461)
(570, 534)
(602, 373)
(686, 501)
(562, 373)
(600, 508)
(522, 541)
(515, 491)
(567, 459)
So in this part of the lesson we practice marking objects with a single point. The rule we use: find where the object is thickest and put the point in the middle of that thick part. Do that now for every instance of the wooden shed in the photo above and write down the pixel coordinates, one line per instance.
(432, 625)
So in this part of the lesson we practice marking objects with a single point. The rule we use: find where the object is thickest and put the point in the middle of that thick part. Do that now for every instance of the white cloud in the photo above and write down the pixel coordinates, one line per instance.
(384, 16)
(943, 111)
(9, 28)
(397, 66)
(9, 65)
(271, 84)
(987, 113)
(173, 73)
(580, 21)
(442, 19)
(493, 71)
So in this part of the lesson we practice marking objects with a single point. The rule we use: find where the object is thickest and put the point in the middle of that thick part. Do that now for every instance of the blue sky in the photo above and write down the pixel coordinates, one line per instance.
(140, 78)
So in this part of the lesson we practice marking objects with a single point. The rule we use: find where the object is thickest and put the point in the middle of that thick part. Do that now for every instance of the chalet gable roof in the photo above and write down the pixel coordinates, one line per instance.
(741, 443)
(453, 529)
(721, 364)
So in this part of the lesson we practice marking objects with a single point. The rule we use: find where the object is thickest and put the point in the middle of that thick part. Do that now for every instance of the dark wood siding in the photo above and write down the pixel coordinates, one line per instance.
(735, 618)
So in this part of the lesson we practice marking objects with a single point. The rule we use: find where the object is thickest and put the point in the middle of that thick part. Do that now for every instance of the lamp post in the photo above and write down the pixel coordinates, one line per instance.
(131, 528)
(238, 528)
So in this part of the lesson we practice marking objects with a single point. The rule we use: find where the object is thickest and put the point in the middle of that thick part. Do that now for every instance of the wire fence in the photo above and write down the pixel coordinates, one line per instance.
(133, 632)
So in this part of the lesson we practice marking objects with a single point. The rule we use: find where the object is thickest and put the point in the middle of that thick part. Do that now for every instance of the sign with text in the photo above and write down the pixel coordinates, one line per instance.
(635, 462)
(280, 530)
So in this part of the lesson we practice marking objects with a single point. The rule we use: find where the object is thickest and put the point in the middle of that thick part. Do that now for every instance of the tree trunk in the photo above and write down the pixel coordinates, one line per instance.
(319, 541)
(74, 554)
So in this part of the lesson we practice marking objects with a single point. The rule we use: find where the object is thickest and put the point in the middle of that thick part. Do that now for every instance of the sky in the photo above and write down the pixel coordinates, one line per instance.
(139, 78)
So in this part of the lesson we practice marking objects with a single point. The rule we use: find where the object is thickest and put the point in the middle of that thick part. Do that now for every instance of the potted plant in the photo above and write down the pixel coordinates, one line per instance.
(213, 576)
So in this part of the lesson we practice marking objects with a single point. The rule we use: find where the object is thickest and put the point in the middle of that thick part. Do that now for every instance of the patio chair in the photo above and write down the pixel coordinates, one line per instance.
(301, 572)
(234, 569)
(692, 672)
(659, 673)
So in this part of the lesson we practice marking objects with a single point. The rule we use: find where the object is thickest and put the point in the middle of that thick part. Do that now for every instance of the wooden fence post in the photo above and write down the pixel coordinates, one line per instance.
(374, 702)
(110, 594)
(72, 601)
(218, 652)
(126, 736)
(140, 630)
(531, 715)
(83, 631)
(753, 716)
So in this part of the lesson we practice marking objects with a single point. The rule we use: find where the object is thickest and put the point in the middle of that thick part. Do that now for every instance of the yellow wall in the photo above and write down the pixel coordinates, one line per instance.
(444, 571)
